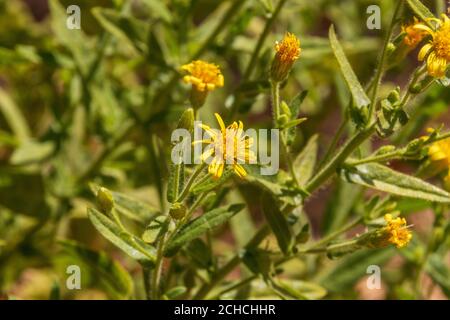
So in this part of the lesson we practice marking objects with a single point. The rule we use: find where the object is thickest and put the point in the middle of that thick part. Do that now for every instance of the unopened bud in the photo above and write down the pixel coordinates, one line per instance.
(177, 211)
(105, 200)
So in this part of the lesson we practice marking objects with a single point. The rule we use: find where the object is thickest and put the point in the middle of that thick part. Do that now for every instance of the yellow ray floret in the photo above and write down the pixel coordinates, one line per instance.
(227, 146)
(397, 231)
(203, 76)
(437, 51)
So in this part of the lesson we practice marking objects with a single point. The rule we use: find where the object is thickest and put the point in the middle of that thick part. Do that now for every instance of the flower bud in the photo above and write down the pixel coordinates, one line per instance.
(288, 51)
(105, 200)
(177, 211)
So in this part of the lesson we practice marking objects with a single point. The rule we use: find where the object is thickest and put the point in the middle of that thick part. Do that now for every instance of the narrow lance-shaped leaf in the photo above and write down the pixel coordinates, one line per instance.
(277, 222)
(130, 244)
(200, 225)
(14, 116)
(125, 28)
(360, 99)
(306, 161)
(158, 9)
(382, 178)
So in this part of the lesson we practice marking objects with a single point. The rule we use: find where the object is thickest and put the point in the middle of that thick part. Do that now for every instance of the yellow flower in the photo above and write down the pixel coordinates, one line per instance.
(227, 146)
(203, 76)
(437, 51)
(439, 151)
(397, 231)
(287, 52)
(413, 35)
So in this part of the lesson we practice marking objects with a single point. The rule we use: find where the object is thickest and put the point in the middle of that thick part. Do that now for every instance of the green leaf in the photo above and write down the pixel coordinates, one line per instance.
(14, 116)
(352, 268)
(32, 151)
(128, 29)
(258, 261)
(382, 178)
(113, 278)
(211, 184)
(175, 292)
(295, 104)
(305, 162)
(200, 254)
(156, 229)
(176, 182)
(298, 289)
(267, 183)
(133, 208)
(439, 272)
(420, 10)
(277, 222)
(158, 9)
(130, 207)
(200, 225)
(360, 99)
(128, 243)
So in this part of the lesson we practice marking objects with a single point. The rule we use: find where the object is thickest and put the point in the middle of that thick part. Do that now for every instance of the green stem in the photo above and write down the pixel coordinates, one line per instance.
(157, 271)
(332, 236)
(189, 183)
(275, 102)
(146, 280)
(262, 38)
(381, 64)
(262, 233)
(339, 158)
(334, 142)
(380, 158)
(254, 58)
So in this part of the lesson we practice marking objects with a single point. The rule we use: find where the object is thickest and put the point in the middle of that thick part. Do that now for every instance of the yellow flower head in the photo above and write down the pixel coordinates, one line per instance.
(227, 146)
(437, 51)
(397, 231)
(439, 151)
(203, 76)
(413, 35)
(287, 52)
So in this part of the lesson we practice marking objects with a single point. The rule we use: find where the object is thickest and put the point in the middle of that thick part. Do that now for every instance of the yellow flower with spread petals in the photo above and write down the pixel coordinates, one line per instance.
(397, 231)
(437, 51)
(413, 35)
(287, 52)
(227, 146)
(203, 76)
